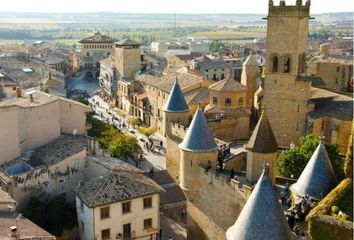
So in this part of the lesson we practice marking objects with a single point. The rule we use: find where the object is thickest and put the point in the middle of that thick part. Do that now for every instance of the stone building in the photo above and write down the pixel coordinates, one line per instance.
(35, 118)
(250, 76)
(215, 70)
(288, 91)
(337, 73)
(121, 204)
(93, 50)
(228, 111)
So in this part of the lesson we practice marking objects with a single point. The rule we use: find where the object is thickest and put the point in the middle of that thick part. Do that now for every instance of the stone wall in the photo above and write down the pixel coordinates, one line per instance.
(214, 208)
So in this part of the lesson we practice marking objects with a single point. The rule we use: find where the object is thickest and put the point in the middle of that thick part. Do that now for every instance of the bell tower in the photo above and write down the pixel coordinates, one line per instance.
(286, 89)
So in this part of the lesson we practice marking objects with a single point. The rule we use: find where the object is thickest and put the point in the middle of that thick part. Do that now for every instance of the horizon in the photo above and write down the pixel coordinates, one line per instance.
(165, 7)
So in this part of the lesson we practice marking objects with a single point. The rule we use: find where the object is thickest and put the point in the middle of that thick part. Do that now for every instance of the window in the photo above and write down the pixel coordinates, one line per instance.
(215, 100)
(287, 64)
(126, 207)
(106, 234)
(214, 77)
(147, 223)
(240, 101)
(104, 212)
(298, 108)
(148, 202)
(82, 226)
(228, 102)
(275, 62)
(338, 69)
(222, 76)
(126, 231)
(207, 70)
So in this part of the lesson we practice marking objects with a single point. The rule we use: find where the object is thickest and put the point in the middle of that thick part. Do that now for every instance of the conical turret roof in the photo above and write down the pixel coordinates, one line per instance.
(199, 137)
(176, 101)
(318, 177)
(251, 60)
(262, 139)
(261, 218)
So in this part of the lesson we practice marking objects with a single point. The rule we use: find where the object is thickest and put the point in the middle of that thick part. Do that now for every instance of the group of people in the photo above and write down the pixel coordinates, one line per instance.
(76, 93)
(219, 116)
(150, 146)
(224, 151)
(296, 213)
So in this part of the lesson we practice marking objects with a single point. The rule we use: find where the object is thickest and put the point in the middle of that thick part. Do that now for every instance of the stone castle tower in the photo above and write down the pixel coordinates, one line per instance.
(198, 147)
(286, 90)
(128, 58)
(261, 148)
(175, 112)
(250, 72)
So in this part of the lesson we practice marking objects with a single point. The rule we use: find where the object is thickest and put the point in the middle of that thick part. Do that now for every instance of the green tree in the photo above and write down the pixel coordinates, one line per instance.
(124, 146)
(147, 131)
(98, 127)
(135, 122)
(215, 45)
(108, 136)
(62, 215)
(293, 161)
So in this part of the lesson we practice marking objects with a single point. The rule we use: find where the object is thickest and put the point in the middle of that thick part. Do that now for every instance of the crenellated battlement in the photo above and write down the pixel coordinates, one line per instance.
(297, 10)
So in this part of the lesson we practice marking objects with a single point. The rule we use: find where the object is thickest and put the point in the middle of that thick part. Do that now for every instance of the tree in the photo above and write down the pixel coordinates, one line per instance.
(98, 127)
(124, 146)
(135, 122)
(62, 215)
(215, 45)
(293, 161)
(147, 131)
(107, 137)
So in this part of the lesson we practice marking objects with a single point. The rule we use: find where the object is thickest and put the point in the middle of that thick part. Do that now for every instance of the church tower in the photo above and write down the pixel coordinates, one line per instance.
(286, 89)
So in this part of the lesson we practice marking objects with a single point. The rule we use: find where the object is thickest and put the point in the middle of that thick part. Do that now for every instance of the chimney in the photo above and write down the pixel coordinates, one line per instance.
(14, 231)
(18, 92)
(31, 98)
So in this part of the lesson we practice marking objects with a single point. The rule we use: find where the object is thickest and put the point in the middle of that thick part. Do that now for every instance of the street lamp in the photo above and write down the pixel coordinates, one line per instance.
(119, 236)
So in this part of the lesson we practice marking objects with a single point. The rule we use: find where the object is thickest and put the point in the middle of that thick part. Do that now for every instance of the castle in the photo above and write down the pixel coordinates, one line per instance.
(292, 110)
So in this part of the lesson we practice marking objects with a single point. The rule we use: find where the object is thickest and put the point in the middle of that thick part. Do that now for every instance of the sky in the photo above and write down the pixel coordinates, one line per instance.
(164, 6)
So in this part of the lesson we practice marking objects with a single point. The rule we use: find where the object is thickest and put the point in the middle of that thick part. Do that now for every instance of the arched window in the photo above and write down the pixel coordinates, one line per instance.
(287, 64)
(240, 101)
(275, 64)
(228, 102)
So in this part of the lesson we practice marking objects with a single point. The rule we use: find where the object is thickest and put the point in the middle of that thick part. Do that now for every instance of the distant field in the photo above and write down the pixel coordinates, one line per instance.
(231, 34)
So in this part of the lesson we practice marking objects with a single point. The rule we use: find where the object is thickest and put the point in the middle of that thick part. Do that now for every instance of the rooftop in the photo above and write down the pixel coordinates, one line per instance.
(39, 98)
(262, 139)
(197, 96)
(46, 155)
(251, 60)
(198, 137)
(176, 101)
(228, 85)
(115, 187)
(330, 104)
(113, 164)
(166, 82)
(212, 64)
(127, 42)
(25, 228)
(98, 38)
(262, 217)
(318, 177)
